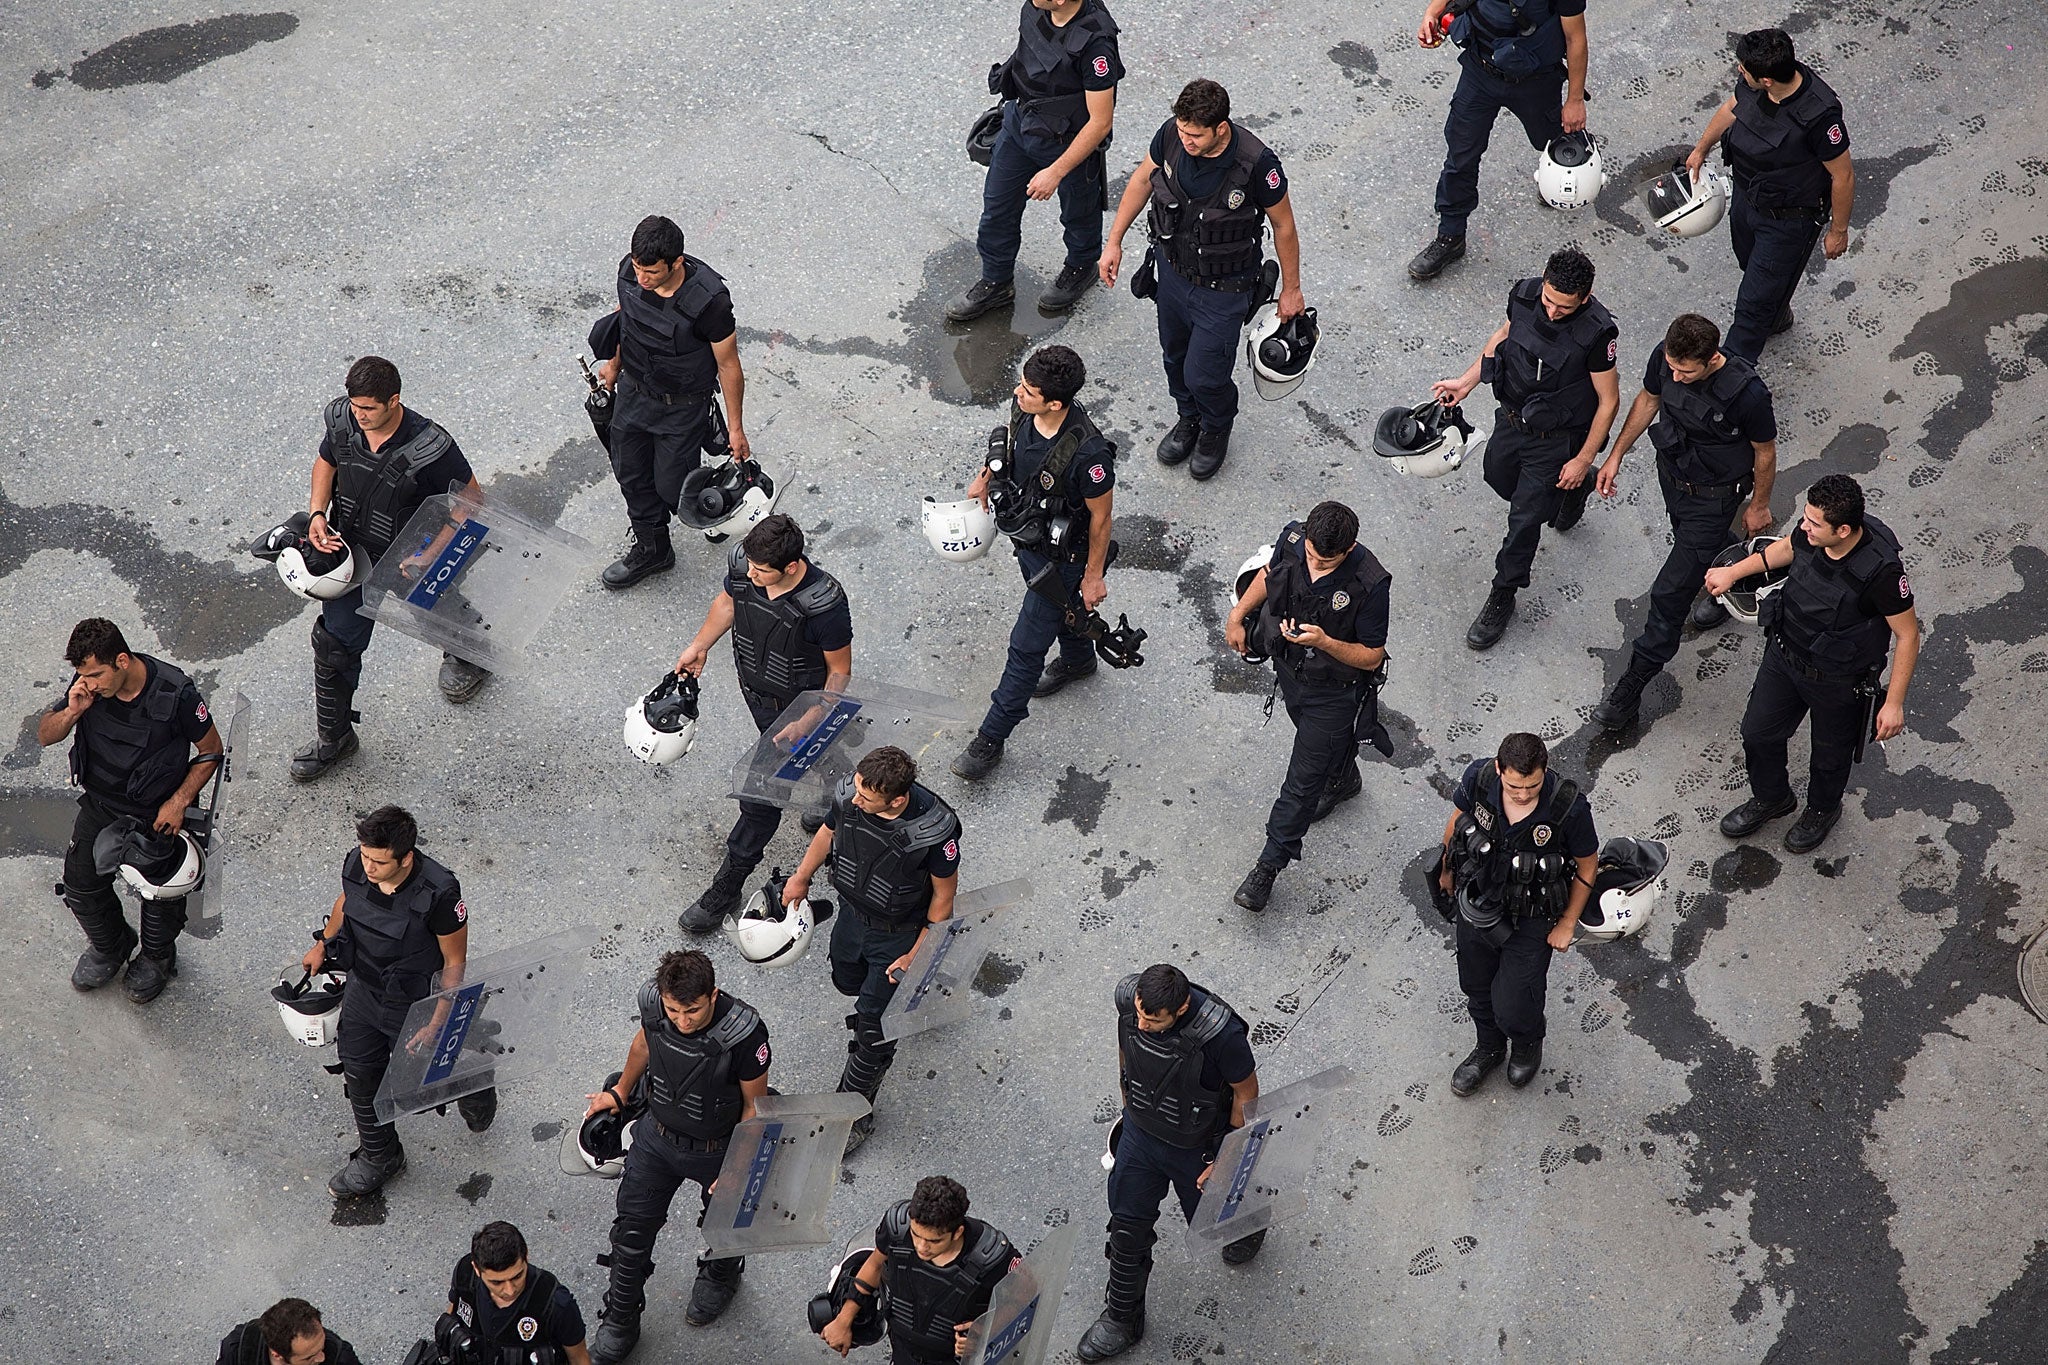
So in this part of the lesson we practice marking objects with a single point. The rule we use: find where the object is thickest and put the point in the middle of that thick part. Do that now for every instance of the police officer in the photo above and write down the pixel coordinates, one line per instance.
(1783, 137)
(1054, 501)
(1059, 100)
(1716, 436)
(700, 1059)
(1187, 1073)
(1518, 56)
(940, 1267)
(378, 461)
(506, 1311)
(1211, 187)
(1551, 365)
(894, 847)
(1322, 618)
(676, 340)
(399, 919)
(792, 632)
(139, 721)
(289, 1333)
(1521, 852)
(1844, 600)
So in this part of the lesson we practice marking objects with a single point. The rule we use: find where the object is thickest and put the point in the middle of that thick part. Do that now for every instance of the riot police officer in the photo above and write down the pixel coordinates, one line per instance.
(1844, 601)
(1054, 501)
(700, 1060)
(894, 849)
(400, 919)
(1784, 139)
(289, 1333)
(503, 1310)
(1211, 187)
(1712, 425)
(1551, 365)
(1520, 851)
(1187, 1073)
(1529, 58)
(676, 340)
(138, 722)
(940, 1268)
(792, 632)
(378, 461)
(1059, 102)
(1321, 604)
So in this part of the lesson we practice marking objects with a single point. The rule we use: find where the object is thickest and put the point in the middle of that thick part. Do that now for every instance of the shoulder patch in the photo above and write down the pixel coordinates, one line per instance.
(761, 1054)
(1835, 134)
(1101, 67)
(1482, 815)
(201, 713)
(462, 912)
(1273, 179)
(1905, 586)
(952, 848)
(1612, 350)
(1097, 473)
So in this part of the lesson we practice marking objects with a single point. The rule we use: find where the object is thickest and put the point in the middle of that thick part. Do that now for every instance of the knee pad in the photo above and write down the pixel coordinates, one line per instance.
(867, 1038)
(330, 652)
(848, 977)
(1130, 1240)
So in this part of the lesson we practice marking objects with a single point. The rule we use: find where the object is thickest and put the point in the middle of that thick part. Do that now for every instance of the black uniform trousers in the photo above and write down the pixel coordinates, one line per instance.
(1198, 332)
(1504, 986)
(90, 896)
(656, 1167)
(861, 953)
(1537, 101)
(758, 821)
(1522, 467)
(1699, 531)
(1773, 253)
(1040, 625)
(1325, 717)
(1780, 698)
(1016, 158)
(371, 1031)
(1146, 1169)
(657, 441)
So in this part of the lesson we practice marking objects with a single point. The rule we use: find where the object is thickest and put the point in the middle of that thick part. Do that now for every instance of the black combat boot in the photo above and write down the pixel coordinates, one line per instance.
(1492, 621)
(1619, 708)
(717, 1282)
(1346, 784)
(1431, 260)
(1176, 445)
(1122, 1324)
(651, 553)
(1477, 1066)
(720, 899)
(868, 1059)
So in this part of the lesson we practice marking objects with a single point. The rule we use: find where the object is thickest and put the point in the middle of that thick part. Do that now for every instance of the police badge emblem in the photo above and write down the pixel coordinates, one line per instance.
(1483, 816)
(1541, 834)
(1340, 600)
(1046, 480)
(528, 1327)
(1236, 200)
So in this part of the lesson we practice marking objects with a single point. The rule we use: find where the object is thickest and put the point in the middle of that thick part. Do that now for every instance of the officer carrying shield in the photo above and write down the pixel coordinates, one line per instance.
(290, 1332)
(700, 1061)
(939, 1268)
(1520, 852)
(378, 461)
(792, 632)
(1059, 101)
(894, 849)
(1551, 365)
(400, 919)
(503, 1310)
(1186, 1070)
(145, 746)
(1322, 605)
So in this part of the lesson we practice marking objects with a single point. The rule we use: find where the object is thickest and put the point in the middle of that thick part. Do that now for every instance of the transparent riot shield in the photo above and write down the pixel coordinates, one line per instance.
(812, 746)
(203, 821)
(502, 1022)
(473, 578)
(780, 1167)
(1017, 1328)
(1261, 1172)
(934, 989)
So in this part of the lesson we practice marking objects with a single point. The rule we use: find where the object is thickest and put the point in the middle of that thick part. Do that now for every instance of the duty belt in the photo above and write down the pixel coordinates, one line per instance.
(1807, 211)
(1806, 670)
(685, 1141)
(1703, 490)
(1514, 419)
(671, 399)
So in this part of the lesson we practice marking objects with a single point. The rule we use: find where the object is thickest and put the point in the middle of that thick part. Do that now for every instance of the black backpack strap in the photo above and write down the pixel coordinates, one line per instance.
(1561, 803)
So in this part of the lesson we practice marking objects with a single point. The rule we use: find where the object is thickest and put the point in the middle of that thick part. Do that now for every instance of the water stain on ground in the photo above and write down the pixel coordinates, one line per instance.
(1361, 64)
(368, 1211)
(997, 975)
(548, 1132)
(1115, 883)
(1941, 680)
(1744, 868)
(1955, 333)
(159, 55)
(1078, 798)
(476, 1187)
(36, 823)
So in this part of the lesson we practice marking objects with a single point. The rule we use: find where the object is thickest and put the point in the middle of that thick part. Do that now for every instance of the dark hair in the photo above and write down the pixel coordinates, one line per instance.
(1331, 527)
(1569, 271)
(775, 542)
(887, 771)
(1521, 752)
(286, 1321)
(1203, 102)
(389, 827)
(939, 1201)
(372, 377)
(1162, 989)
(657, 241)
(95, 638)
(1840, 500)
(1056, 372)
(685, 976)
(1766, 53)
(497, 1246)
(1691, 337)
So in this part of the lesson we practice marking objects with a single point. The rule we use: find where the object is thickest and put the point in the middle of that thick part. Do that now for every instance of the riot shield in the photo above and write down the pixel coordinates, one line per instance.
(473, 578)
(934, 989)
(812, 746)
(1017, 1328)
(780, 1167)
(202, 821)
(1262, 1168)
(501, 1022)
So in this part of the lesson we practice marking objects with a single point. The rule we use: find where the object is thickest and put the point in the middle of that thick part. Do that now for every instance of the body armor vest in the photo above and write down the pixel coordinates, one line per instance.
(536, 1301)
(1523, 873)
(1543, 373)
(879, 865)
(1818, 613)
(690, 1085)
(1291, 596)
(1221, 236)
(1773, 164)
(925, 1300)
(1519, 38)
(375, 491)
(1698, 434)
(658, 348)
(1162, 1077)
(769, 647)
(134, 758)
(391, 950)
(1045, 72)
(1045, 495)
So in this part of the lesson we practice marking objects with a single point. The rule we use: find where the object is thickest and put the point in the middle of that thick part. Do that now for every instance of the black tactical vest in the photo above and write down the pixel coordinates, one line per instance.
(1542, 370)
(1163, 1071)
(392, 953)
(1697, 433)
(925, 1300)
(374, 492)
(535, 1305)
(1818, 613)
(1045, 72)
(1773, 164)
(1046, 493)
(1518, 37)
(1216, 238)
(1291, 596)
(1527, 872)
(690, 1085)
(769, 647)
(134, 756)
(658, 349)
(879, 865)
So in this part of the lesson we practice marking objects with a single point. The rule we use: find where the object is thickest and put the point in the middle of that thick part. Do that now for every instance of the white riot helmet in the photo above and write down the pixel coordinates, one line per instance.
(769, 933)
(1624, 889)
(310, 1007)
(960, 531)
(1745, 597)
(1241, 584)
(661, 726)
(1428, 440)
(1280, 353)
(1568, 173)
(1116, 1132)
(156, 867)
(321, 575)
(727, 498)
(1687, 207)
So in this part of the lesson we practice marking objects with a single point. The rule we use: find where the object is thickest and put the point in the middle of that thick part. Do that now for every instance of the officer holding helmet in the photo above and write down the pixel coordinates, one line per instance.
(940, 1268)
(290, 1332)
(503, 1310)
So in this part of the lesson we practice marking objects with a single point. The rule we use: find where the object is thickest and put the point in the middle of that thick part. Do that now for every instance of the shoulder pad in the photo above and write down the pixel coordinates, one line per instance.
(427, 447)
(352, 866)
(434, 876)
(1209, 1019)
(895, 1226)
(935, 826)
(1101, 20)
(652, 1015)
(1370, 573)
(736, 564)
(1127, 995)
(739, 1021)
(335, 414)
(1882, 535)
(703, 285)
(1594, 319)
(989, 1250)
(820, 593)
(842, 795)
(1246, 145)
